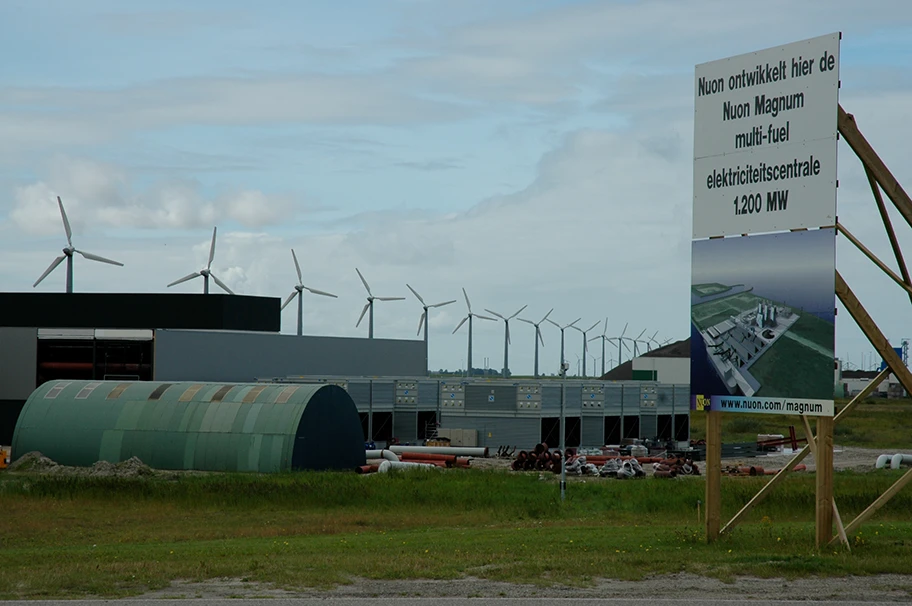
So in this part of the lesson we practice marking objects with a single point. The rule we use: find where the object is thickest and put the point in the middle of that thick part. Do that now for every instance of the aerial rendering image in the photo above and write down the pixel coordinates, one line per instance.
(756, 332)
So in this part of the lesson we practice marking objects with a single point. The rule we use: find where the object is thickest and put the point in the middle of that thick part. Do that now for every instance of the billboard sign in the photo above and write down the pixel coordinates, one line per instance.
(763, 323)
(765, 128)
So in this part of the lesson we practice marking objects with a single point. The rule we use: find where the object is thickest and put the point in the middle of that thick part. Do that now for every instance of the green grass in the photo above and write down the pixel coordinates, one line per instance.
(790, 368)
(710, 288)
(74, 537)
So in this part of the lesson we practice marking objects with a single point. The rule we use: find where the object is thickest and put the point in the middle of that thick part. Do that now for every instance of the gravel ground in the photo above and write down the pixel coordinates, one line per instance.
(880, 588)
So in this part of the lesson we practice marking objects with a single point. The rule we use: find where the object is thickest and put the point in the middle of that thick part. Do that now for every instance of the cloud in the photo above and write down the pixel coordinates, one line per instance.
(99, 195)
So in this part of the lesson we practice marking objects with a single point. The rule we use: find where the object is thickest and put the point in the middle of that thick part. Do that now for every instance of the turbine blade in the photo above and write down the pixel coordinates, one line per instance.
(442, 304)
(288, 300)
(538, 332)
(596, 337)
(593, 326)
(50, 268)
(363, 281)
(469, 305)
(195, 274)
(319, 292)
(92, 257)
(485, 317)
(623, 332)
(625, 345)
(458, 326)
(495, 313)
(605, 328)
(574, 322)
(526, 321)
(518, 312)
(553, 322)
(66, 222)
(507, 329)
(641, 333)
(546, 316)
(221, 284)
(420, 320)
(297, 267)
(575, 328)
(212, 248)
(361, 317)
(416, 294)
(389, 298)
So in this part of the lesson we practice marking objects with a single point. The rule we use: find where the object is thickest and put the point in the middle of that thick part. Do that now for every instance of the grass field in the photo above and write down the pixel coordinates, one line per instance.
(80, 536)
(790, 368)
(815, 330)
(711, 288)
(709, 314)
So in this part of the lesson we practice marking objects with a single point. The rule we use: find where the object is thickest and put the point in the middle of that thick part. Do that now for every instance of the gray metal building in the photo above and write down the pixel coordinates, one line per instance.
(505, 412)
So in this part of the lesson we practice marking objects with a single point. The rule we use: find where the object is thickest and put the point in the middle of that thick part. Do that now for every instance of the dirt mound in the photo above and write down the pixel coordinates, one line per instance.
(35, 462)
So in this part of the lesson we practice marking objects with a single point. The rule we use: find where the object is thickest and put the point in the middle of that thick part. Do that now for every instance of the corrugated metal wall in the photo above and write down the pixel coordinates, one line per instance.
(522, 432)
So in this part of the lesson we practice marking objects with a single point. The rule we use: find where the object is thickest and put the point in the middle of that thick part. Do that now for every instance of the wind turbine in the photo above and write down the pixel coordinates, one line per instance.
(423, 321)
(635, 341)
(506, 366)
(604, 338)
(469, 317)
(585, 344)
(370, 305)
(562, 329)
(620, 342)
(206, 272)
(649, 341)
(299, 293)
(538, 336)
(68, 254)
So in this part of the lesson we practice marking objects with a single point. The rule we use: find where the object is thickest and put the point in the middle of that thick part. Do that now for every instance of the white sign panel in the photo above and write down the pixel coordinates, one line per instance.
(765, 128)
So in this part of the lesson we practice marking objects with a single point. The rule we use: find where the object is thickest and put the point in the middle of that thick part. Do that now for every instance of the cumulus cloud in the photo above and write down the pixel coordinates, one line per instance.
(97, 194)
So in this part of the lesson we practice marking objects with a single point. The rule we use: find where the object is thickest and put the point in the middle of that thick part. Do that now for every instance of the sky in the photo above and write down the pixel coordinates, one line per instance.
(535, 153)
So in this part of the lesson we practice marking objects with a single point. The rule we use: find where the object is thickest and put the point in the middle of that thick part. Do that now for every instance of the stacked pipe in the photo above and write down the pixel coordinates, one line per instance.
(756, 470)
(384, 460)
(673, 467)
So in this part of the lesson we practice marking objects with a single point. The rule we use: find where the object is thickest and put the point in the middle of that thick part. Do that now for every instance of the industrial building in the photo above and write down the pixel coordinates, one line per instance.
(170, 337)
(522, 413)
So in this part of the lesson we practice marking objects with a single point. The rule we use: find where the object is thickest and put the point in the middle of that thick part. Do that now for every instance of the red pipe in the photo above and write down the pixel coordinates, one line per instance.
(421, 456)
(367, 469)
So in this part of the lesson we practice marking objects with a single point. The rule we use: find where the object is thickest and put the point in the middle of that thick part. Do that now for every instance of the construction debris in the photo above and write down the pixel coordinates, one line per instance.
(541, 458)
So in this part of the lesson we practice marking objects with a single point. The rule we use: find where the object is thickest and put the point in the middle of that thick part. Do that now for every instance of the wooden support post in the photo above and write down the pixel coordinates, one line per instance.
(867, 252)
(879, 502)
(824, 475)
(813, 446)
(872, 332)
(888, 225)
(849, 130)
(764, 492)
(713, 474)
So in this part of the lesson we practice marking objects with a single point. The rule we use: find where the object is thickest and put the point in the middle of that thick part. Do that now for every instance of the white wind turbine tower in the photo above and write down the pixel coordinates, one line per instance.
(538, 336)
(635, 341)
(370, 306)
(604, 338)
(562, 329)
(423, 321)
(68, 254)
(299, 293)
(506, 366)
(206, 272)
(585, 343)
(469, 317)
(620, 341)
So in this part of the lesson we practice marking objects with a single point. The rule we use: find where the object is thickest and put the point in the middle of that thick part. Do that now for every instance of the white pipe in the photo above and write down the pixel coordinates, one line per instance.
(459, 451)
(387, 465)
(899, 459)
(381, 454)
(881, 461)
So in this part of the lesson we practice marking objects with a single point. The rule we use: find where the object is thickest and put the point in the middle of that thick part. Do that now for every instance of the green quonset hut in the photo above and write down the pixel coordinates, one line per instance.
(203, 426)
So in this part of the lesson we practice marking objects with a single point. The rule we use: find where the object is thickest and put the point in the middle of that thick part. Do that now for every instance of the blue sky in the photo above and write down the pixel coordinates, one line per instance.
(536, 153)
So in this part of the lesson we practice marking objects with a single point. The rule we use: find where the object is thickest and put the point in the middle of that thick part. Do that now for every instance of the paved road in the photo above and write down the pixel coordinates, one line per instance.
(444, 601)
